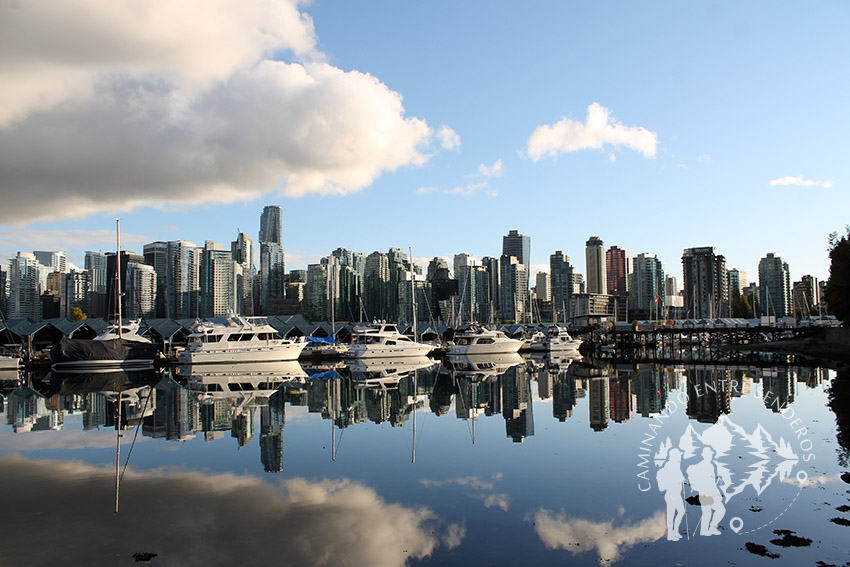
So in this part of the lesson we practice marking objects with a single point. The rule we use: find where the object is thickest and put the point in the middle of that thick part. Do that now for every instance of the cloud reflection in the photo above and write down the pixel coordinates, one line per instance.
(577, 535)
(192, 518)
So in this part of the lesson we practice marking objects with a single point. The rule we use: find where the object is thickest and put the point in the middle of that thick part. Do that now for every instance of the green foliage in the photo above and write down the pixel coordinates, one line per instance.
(838, 285)
(77, 314)
(741, 307)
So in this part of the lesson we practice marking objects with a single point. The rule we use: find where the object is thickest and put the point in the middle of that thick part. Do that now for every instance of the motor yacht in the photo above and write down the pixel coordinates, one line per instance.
(239, 339)
(383, 340)
(555, 337)
(476, 339)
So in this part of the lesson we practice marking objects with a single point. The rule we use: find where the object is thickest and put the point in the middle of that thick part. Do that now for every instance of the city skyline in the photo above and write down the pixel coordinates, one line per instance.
(728, 133)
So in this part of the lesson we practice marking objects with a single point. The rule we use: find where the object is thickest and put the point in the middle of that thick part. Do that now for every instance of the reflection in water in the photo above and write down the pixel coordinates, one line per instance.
(205, 519)
(557, 531)
(839, 403)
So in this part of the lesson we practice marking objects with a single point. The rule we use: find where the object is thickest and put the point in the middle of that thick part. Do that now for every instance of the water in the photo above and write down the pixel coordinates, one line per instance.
(500, 461)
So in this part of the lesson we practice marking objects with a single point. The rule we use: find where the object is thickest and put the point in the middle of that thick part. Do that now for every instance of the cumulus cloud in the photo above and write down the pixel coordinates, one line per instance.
(114, 105)
(495, 170)
(475, 482)
(191, 518)
(704, 158)
(449, 139)
(577, 536)
(800, 182)
(596, 132)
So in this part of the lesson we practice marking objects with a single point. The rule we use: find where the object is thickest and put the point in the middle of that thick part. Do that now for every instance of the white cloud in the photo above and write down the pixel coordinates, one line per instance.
(449, 139)
(704, 158)
(598, 131)
(800, 182)
(495, 170)
(577, 536)
(193, 518)
(132, 104)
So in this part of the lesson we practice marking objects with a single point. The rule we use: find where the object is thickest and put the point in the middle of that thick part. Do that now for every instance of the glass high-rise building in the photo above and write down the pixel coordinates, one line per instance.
(647, 287)
(24, 287)
(272, 283)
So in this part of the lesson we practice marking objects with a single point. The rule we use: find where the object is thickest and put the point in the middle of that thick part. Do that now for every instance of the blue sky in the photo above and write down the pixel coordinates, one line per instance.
(437, 126)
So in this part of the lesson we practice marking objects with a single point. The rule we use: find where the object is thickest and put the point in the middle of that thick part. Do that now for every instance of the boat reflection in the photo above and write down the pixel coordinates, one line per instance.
(384, 373)
(481, 367)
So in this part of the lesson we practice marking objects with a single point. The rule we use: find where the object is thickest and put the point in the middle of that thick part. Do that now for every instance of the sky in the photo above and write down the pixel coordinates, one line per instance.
(432, 126)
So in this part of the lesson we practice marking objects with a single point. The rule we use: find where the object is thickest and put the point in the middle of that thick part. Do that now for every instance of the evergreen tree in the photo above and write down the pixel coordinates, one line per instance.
(838, 285)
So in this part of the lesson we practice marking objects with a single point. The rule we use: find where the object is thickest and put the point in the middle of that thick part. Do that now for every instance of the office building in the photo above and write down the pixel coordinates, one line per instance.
(141, 285)
(75, 293)
(217, 281)
(564, 283)
(55, 260)
(513, 294)
(737, 281)
(183, 280)
(242, 251)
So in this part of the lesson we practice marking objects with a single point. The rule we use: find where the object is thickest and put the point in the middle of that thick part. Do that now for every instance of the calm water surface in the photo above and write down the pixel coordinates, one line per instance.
(499, 461)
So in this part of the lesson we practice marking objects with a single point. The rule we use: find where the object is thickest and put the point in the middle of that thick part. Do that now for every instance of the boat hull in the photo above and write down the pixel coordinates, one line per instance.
(499, 347)
(387, 351)
(81, 355)
(259, 353)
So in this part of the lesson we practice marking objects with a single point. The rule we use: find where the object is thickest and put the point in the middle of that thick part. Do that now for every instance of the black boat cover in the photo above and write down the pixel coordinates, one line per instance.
(82, 350)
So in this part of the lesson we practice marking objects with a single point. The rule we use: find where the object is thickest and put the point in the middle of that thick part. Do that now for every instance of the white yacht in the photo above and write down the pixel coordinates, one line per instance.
(385, 373)
(555, 337)
(241, 339)
(476, 339)
(383, 340)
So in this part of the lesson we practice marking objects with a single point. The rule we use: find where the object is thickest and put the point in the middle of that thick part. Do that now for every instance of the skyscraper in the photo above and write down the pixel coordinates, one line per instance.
(597, 279)
(24, 287)
(706, 283)
(54, 259)
(242, 250)
(646, 288)
(617, 268)
(183, 280)
(156, 255)
(774, 286)
(518, 246)
(513, 294)
(564, 283)
(217, 281)
(272, 284)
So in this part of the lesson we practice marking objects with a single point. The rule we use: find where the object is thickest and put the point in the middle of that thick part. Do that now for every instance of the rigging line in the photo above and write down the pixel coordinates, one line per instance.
(136, 434)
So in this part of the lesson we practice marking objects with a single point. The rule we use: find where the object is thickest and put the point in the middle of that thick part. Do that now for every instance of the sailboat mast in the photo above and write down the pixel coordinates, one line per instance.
(118, 293)
(413, 298)
(415, 397)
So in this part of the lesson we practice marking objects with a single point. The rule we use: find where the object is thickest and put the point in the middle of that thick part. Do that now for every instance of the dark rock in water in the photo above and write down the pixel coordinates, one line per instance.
(755, 508)
(144, 556)
(840, 521)
(760, 550)
(790, 539)
(846, 477)
(843, 508)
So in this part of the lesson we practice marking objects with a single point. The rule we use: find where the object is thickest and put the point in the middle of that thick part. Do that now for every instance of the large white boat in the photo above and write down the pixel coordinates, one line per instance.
(476, 339)
(482, 367)
(555, 337)
(383, 340)
(241, 339)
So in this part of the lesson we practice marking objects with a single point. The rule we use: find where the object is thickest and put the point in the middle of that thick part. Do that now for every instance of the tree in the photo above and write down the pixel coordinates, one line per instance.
(77, 314)
(741, 307)
(838, 285)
